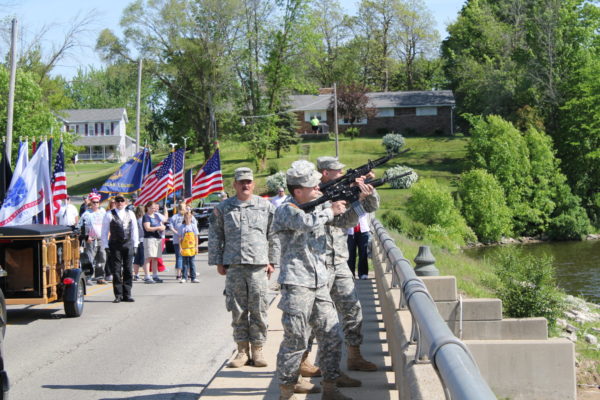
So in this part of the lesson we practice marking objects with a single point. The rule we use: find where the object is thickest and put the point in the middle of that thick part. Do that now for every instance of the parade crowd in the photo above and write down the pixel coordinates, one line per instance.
(121, 240)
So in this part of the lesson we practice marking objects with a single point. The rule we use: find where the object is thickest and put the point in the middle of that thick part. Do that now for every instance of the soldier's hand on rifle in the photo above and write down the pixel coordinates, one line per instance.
(221, 269)
(338, 207)
(365, 190)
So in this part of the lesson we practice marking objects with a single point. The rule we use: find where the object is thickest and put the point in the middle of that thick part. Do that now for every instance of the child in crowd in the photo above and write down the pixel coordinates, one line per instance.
(188, 247)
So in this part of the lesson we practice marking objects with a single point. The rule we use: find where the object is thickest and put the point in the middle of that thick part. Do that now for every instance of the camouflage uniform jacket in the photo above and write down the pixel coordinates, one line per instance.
(241, 232)
(337, 239)
(304, 243)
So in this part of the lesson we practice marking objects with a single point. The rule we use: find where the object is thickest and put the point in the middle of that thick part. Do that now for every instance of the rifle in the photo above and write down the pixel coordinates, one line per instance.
(353, 173)
(345, 192)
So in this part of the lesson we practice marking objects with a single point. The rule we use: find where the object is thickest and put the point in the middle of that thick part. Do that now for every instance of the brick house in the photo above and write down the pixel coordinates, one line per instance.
(102, 133)
(422, 113)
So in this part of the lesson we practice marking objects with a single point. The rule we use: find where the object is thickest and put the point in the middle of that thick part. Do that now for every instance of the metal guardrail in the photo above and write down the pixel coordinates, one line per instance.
(450, 357)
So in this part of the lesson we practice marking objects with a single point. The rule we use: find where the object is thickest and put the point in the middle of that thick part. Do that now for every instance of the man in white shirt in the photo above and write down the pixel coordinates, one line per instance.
(120, 238)
(91, 229)
(68, 214)
(279, 198)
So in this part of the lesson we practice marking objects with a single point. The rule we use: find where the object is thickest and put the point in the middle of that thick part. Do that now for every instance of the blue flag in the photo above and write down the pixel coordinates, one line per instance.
(129, 177)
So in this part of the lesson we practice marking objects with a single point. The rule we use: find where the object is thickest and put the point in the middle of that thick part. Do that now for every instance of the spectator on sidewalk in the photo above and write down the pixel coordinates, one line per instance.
(358, 240)
(68, 215)
(175, 223)
(188, 246)
(279, 198)
(154, 225)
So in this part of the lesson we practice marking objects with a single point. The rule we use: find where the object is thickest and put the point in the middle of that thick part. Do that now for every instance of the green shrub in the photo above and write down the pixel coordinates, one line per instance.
(352, 132)
(416, 230)
(527, 286)
(392, 220)
(393, 142)
(400, 183)
(569, 220)
(431, 205)
(272, 167)
(483, 205)
(275, 181)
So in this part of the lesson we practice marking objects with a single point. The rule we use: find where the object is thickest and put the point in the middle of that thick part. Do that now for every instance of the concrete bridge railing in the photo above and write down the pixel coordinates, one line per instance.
(443, 347)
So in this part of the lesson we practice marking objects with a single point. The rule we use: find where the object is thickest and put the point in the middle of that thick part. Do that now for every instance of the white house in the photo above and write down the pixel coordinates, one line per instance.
(102, 132)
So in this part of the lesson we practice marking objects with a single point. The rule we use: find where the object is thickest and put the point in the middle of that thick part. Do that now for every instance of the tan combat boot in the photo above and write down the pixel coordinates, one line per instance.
(257, 356)
(356, 362)
(307, 369)
(305, 387)
(242, 356)
(345, 381)
(286, 392)
(331, 392)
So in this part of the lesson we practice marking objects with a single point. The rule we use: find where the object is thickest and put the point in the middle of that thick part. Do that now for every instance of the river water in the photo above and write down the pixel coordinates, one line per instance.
(577, 264)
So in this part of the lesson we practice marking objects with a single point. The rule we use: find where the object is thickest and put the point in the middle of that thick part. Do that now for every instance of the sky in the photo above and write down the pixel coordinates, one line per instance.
(34, 15)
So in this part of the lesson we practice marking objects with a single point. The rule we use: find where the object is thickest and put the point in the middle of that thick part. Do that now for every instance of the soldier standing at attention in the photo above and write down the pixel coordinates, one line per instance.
(242, 245)
(305, 299)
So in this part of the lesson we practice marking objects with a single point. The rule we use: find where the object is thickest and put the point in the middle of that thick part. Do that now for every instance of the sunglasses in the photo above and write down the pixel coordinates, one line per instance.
(96, 202)
(119, 201)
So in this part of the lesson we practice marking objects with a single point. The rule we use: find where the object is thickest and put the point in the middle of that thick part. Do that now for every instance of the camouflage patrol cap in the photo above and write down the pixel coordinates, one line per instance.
(327, 162)
(243, 173)
(302, 173)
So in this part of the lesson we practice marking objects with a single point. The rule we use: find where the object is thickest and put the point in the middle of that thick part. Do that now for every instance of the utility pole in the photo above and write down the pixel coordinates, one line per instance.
(11, 90)
(137, 111)
(335, 120)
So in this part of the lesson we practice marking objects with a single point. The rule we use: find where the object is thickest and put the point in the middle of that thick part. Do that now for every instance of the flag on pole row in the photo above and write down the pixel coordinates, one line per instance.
(178, 170)
(129, 177)
(29, 192)
(59, 179)
(209, 179)
(159, 182)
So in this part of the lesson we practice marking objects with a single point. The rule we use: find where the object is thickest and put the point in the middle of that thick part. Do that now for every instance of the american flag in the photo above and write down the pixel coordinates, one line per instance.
(178, 171)
(209, 179)
(159, 182)
(59, 180)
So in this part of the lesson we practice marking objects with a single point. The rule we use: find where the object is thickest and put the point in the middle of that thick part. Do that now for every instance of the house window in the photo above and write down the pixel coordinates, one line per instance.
(346, 121)
(320, 114)
(385, 112)
(426, 111)
(71, 128)
(404, 111)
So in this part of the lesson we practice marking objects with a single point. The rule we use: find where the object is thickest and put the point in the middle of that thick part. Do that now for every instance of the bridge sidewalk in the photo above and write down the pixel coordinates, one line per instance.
(261, 383)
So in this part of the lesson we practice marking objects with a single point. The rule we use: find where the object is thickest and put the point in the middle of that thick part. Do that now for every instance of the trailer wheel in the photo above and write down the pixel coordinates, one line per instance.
(75, 308)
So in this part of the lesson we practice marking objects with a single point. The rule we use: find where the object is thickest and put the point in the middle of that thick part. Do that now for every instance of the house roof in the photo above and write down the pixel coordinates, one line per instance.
(93, 114)
(379, 100)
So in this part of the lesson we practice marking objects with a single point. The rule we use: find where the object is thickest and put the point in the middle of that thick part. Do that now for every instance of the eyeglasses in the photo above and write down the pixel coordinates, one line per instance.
(96, 202)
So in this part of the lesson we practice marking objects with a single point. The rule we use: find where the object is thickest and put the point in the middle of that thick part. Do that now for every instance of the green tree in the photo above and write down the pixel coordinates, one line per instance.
(31, 115)
(483, 205)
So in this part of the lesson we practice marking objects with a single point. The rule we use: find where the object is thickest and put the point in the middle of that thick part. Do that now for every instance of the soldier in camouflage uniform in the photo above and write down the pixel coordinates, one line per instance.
(242, 245)
(305, 299)
(341, 284)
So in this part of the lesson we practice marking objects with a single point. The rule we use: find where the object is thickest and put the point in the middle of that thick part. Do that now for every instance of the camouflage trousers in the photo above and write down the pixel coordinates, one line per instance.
(344, 296)
(246, 297)
(305, 309)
